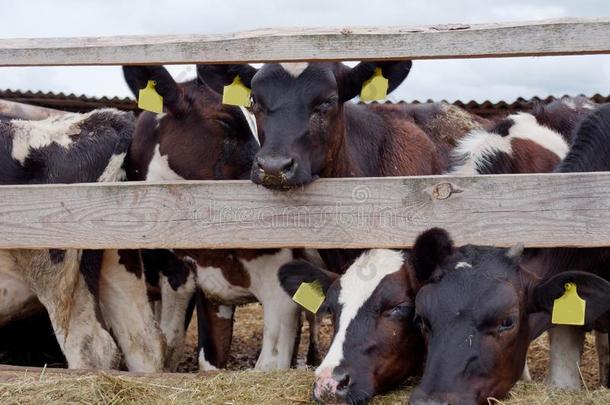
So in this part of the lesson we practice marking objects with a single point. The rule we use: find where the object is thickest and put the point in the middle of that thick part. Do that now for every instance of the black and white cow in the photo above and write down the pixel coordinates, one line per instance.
(87, 294)
(199, 138)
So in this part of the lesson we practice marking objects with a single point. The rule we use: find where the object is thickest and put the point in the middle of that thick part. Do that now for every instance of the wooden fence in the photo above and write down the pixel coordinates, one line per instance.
(540, 210)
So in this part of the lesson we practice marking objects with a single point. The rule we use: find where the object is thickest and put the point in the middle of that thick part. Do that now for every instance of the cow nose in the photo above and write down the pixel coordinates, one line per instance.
(419, 397)
(275, 166)
(331, 385)
(341, 376)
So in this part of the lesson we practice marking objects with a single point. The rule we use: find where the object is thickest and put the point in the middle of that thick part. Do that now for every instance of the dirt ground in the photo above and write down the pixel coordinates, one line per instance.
(248, 331)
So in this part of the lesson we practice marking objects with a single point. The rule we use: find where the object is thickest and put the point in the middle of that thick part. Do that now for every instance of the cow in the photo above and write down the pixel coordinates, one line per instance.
(199, 138)
(514, 290)
(395, 292)
(78, 288)
(309, 129)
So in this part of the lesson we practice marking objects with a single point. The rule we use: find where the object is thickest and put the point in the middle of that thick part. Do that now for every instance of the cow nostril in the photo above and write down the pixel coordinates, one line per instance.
(343, 381)
(275, 166)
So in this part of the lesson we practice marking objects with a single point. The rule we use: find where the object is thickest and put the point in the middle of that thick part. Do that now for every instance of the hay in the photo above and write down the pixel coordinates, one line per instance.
(251, 387)
(238, 387)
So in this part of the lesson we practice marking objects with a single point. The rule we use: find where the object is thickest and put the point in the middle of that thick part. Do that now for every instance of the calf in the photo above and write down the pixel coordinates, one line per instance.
(308, 129)
(74, 285)
(199, 138)
(519, 307)
(532, 143)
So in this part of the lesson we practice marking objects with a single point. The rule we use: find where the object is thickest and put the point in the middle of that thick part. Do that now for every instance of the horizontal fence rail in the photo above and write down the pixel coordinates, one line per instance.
(551, 37)
(540, 210)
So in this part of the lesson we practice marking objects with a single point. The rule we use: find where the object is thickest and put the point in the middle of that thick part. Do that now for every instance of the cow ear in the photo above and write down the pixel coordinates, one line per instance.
(218, 76)
(591, 288)
(137, 78)
(431, 249)
(350, 81)
(296, 272)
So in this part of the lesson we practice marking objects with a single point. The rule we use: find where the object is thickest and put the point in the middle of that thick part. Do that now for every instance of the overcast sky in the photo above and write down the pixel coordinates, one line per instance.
(478, 79)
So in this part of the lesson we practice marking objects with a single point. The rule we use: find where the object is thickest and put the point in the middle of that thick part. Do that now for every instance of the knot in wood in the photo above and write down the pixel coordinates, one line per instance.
(442, 191)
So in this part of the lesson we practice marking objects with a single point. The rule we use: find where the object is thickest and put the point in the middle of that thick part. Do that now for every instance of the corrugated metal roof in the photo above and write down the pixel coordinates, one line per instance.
(67, 102)
(81, 103)
(488, 109)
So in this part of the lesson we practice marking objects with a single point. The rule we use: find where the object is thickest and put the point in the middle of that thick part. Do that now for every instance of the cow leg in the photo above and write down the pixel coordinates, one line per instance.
(65, 282)
(313, 351)
(125, 307)
(566, 351)
(525, 375)
(280, 321)
(17, 300)
(174, 305)
(215, 332)
(602, 341)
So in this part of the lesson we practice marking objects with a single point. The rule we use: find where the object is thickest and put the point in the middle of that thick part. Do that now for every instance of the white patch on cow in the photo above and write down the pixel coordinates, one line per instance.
(526, 127)
(159, 169)
(462, 265)
(205, 365)
(125, 307)
(295, 69)
(37, 134)
(114, 170)
(225, 311)
(17, 300)
(251, 120)
(280, 313)
(476, 148)
(214, 284)
(174, 304)
(566, 350)
(357, 285)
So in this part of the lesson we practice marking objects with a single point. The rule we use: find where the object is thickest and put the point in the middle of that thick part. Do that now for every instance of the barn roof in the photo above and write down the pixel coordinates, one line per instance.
(81, 103)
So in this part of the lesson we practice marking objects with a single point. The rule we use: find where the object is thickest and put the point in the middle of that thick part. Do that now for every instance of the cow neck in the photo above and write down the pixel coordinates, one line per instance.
(354, 151)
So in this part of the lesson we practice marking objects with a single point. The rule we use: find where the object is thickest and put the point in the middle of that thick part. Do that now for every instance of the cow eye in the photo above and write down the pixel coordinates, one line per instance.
(257, 106)
(402, 311)
(507, 324)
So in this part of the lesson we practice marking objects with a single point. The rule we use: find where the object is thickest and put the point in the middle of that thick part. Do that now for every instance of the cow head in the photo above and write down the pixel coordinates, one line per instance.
(299, 110)
(202, 138)
(375, 345)
(478, 312)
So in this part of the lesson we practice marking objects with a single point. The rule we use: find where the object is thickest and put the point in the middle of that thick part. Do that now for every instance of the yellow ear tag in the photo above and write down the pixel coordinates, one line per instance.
(236, 93)
(376, 88)
(310, 296)
(569, 309)
(149, 99)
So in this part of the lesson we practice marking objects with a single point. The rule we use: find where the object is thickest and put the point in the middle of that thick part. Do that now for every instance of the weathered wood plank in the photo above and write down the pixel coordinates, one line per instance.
(12, 109)
(549, 37)
(540, 210)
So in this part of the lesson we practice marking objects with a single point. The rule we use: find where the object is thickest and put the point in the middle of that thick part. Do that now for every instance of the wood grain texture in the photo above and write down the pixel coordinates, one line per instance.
(11, 109)
(539, 210)
(549, 37)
